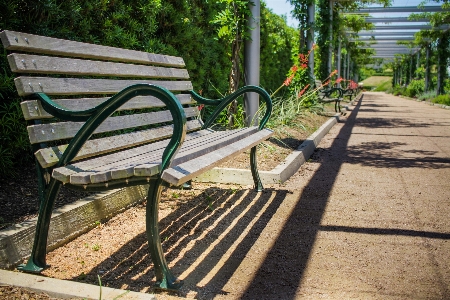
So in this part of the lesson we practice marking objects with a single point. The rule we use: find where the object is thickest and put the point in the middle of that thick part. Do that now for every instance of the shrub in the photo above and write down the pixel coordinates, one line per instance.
(415, 88)
(442, 99)
(427, 95)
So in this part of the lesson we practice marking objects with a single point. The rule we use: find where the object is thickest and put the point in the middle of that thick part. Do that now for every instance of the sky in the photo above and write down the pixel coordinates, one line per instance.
(282, 7)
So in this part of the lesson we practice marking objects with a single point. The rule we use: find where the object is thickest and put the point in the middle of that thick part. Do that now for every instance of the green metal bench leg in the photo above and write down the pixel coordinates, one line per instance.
(255, 173)
(337, 107)
(164, 277)
(37, 262)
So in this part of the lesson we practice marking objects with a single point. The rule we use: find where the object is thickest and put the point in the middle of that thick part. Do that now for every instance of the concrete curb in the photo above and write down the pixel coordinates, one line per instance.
(284, 170)
(68, 222)
(67, 289)
(72, 220)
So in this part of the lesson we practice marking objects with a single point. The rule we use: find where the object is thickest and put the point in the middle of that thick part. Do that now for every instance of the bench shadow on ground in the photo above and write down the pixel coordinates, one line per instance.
(210, 237)
(196, 235)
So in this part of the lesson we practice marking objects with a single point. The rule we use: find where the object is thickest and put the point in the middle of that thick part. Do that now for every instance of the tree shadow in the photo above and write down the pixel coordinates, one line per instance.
(292, 249)
(390, 123)
(391, 155)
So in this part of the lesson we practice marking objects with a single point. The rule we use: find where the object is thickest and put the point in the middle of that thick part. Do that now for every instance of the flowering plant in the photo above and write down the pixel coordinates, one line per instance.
(297, 74)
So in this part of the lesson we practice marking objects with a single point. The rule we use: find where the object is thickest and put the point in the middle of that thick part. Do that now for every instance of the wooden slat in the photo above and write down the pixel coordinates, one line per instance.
(77, 86)
(186, 171)
(126, 168)
(123, 164)
(24, 63)
(63, 174)
(33, 110)
(48, 157)
(57, 131)
(46, 45)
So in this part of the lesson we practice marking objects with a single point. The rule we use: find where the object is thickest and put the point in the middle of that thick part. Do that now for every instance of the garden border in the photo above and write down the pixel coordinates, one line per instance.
(72, 220)
(67, 289)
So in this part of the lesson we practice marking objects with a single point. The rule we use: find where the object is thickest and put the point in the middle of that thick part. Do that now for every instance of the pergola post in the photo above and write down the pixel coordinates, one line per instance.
(348, 65)
(394, 76)
(410, 69)
(427, 68)
(418, 59)
(442, 53)
(330, 33)
(252, 61)
(310, 39)
(339, 62)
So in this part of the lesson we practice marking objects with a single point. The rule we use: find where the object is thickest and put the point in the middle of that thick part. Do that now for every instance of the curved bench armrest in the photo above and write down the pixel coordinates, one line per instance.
(94, 117)
(222, 103)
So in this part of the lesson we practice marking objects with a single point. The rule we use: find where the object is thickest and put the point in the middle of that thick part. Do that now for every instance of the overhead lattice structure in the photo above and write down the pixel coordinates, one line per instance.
(392, 25)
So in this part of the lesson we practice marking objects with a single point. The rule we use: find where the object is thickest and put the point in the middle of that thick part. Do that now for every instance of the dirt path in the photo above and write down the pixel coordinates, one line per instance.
(366, 218)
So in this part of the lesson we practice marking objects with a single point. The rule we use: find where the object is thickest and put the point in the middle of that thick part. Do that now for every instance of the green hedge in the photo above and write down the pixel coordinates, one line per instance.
(173, 27)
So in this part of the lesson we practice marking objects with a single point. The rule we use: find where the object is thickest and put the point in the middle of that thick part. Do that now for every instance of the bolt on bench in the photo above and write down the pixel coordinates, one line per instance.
(102, 118)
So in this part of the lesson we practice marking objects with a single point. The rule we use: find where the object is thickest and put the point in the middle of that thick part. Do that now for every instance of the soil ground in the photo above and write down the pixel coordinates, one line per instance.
(19, 194)
(365, 218)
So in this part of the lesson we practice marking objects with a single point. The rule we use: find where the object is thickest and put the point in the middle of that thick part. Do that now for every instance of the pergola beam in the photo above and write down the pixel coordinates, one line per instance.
(384, 33)
(380, 39)
(409, 27)
(398, 9)
(393, 20)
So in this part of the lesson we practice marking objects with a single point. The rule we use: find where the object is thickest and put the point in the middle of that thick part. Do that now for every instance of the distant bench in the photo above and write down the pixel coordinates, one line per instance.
(328, 95)
(148, 132)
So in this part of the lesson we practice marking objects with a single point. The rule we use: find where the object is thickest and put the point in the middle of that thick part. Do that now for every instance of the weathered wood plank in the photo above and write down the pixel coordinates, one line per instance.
(76, 86)
(25, 63)
(189, 150)
(121, 165)
(57, 131)
(48, 157)
(63, 174)
(33, 110)
(46, 45)
(99, 169)
(184, 172)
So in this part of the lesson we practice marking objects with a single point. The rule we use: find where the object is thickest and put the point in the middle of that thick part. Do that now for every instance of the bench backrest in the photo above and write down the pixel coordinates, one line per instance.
(80, 76)
(321, 88)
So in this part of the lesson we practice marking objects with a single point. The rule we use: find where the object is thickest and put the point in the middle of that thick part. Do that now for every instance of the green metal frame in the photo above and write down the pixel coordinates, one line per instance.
(49, 187)
(223, 103)
(328, 92)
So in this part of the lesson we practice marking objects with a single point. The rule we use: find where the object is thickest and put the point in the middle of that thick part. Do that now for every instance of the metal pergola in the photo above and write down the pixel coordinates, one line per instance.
(390, 26)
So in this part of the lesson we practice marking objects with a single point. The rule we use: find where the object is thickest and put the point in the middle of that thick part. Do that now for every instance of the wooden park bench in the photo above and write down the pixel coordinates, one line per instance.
(349, 92)
(103, 118)
(327, 95)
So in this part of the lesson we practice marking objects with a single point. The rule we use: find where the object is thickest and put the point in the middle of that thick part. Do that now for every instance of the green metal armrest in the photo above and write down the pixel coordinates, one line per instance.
(222, 103)
(94, 117)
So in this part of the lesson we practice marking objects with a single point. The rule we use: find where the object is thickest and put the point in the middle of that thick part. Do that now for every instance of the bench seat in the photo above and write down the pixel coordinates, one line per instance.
(205, 149)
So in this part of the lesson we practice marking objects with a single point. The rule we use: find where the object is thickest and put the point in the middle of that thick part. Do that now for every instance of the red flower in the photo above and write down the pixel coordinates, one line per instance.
(304, 66)
(302, 91)
(294, 69)
(303, 58)
(339, 79)
(200, 107)
(288, 80)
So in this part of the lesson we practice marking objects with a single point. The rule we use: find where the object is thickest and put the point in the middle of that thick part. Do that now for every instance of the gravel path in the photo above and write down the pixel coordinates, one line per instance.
(366, 218)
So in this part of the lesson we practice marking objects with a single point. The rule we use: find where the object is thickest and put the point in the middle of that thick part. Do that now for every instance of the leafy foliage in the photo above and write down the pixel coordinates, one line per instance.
(172, 27)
